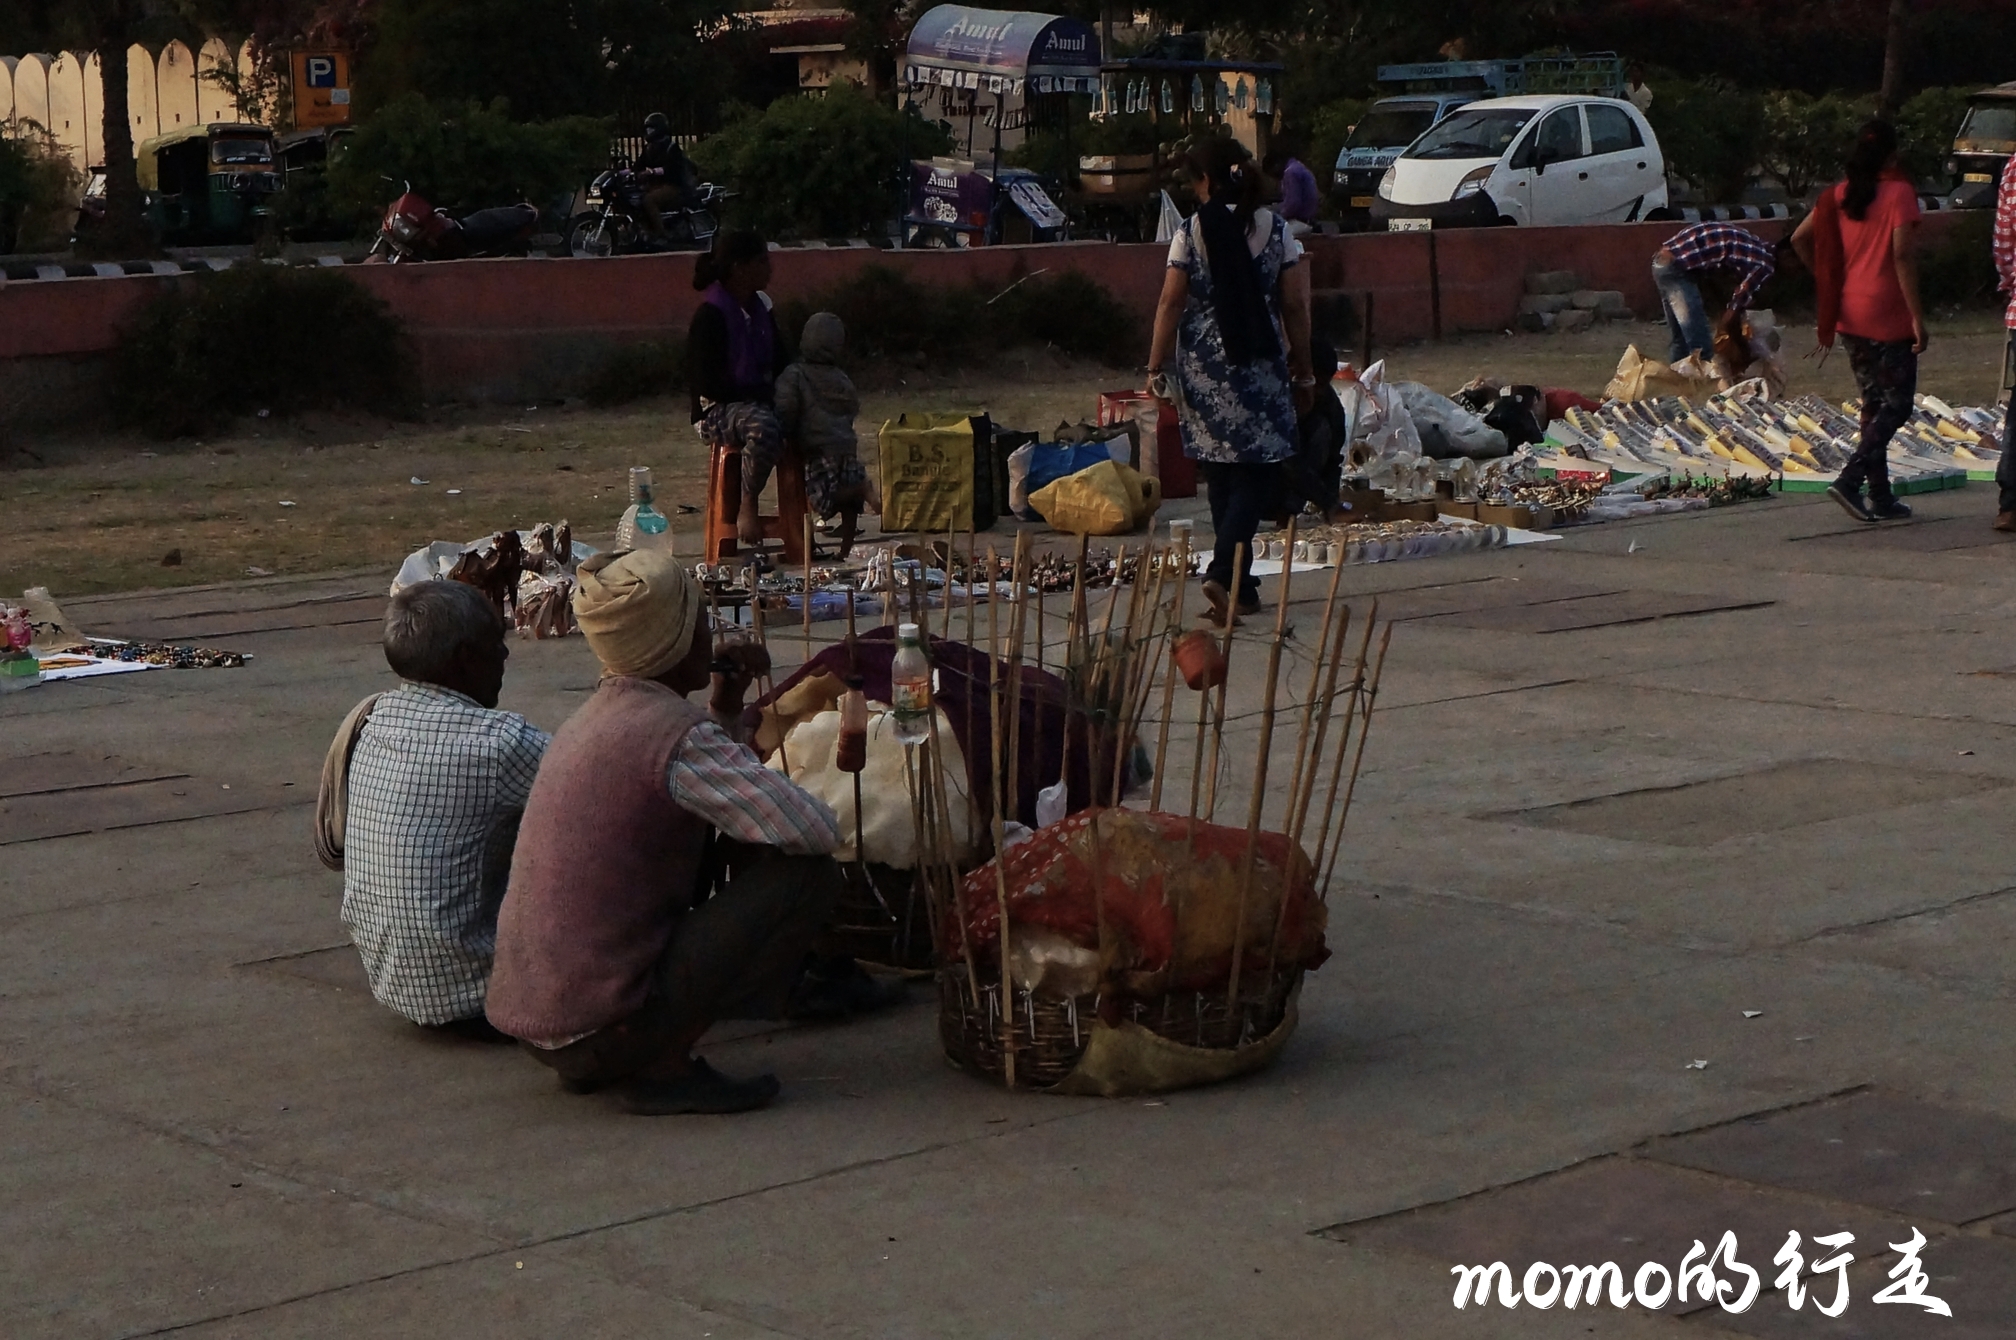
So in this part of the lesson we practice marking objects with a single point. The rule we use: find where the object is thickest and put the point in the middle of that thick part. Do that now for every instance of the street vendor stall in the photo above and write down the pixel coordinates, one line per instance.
(1148, 107)
(958, 59)
(989, 75)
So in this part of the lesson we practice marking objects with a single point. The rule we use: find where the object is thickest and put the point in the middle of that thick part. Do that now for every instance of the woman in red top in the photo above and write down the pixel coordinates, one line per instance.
(1860, 242)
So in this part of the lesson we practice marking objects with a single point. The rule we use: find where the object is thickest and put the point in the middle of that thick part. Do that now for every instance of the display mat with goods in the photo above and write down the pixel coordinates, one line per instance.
(39, 645)
(528, 575)
(1112, 950)
(1805, 440)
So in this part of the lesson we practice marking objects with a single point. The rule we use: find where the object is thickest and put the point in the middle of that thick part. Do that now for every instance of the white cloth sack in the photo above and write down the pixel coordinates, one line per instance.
(1445, 428)
(887, 829)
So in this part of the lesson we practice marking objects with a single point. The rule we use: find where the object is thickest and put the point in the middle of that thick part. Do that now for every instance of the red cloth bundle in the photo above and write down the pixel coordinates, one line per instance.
(1167, 889)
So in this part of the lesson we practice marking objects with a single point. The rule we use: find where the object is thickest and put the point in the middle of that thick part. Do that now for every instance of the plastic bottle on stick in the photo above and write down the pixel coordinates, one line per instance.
(910, 687)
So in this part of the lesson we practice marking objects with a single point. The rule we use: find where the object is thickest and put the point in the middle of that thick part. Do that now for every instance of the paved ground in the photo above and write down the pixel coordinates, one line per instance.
(1588, 843)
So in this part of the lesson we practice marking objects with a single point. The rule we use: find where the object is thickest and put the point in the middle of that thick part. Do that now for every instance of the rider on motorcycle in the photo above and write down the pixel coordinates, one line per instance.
(665, 169)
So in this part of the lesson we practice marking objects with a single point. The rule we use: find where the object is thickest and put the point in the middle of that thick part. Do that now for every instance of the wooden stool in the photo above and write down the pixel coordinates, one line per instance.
(724, 504)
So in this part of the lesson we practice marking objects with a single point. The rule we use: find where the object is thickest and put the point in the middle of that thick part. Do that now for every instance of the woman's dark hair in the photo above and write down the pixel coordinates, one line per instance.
(1235, 181)
(736, 247)
(1875, 146)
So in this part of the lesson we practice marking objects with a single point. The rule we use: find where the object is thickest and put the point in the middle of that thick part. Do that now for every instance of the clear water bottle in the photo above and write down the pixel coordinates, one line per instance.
(643, 526)
(910, 687)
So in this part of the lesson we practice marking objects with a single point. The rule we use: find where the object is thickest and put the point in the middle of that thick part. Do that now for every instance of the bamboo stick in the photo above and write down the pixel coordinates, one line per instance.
(1344, 741)
(1258, 803)
(1169, 675)
(1218, 726)
(1000, 866)
(1309, 701)
(806, 594)
(1334, 659)
(1358, 758)
(763, 640)
(1018, 623)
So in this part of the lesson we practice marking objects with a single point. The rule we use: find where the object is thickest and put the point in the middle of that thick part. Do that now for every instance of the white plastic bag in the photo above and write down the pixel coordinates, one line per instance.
(1383, 421)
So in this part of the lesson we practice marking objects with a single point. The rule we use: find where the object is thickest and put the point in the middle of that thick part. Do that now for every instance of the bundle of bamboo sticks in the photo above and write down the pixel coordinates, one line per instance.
(1109, 662)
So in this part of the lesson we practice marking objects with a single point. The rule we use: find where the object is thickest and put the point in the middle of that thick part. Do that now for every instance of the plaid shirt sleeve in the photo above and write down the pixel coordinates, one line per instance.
(2005, 239)
(1717, 246)
(727, 785)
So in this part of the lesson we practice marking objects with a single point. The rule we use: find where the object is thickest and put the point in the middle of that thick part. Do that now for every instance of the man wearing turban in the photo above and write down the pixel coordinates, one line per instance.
(611, 958)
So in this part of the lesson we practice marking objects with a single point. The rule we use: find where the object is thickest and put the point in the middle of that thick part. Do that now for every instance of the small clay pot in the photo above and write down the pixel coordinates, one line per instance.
(1199, 660)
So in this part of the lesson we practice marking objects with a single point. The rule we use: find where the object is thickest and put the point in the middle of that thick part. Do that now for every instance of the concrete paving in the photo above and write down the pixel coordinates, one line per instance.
(1769, 838)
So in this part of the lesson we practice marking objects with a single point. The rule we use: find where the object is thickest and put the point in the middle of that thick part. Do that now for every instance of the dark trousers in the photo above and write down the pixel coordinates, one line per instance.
(735, 956)
(2005, 470)
(1242, 494)
(1886, 373)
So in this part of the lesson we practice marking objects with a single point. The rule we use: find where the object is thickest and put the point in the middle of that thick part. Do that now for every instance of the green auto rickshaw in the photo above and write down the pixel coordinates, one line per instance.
(209, 184)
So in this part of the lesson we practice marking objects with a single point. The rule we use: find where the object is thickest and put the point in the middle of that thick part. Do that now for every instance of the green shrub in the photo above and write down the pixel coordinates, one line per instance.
(1925, 128)
(38, 187)
(1052, 154)
(463, 156)
(1070, 313)
(890, 316)
(258, 337)
(1807, 138)
(637, 372)
(1959, 270)
(832, 166)
(1711, 133)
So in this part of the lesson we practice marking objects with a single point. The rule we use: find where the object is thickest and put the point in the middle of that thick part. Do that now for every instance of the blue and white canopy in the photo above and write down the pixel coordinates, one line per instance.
(1002, 51)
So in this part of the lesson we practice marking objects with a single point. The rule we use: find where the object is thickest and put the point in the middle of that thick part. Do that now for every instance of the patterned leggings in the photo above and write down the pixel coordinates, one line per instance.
(751, 429)
(1886, 372)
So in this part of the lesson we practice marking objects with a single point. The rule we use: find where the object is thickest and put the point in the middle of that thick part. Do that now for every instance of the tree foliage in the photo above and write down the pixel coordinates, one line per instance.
(463, 156)
(38, 185)
(832, 166)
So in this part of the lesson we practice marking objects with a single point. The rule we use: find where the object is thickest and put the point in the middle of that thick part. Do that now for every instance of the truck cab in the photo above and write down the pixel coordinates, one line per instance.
(1388, 126)
(1982, 148)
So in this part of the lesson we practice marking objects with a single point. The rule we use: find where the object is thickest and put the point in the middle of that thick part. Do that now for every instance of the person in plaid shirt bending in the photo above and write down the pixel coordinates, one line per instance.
(2005, 267)
(1709, 248)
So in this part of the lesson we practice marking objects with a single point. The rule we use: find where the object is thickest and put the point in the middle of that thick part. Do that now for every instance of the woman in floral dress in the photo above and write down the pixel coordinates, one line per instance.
(1235, 316)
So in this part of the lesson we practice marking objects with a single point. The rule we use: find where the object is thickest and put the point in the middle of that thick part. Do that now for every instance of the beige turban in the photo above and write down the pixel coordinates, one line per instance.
(637, 609)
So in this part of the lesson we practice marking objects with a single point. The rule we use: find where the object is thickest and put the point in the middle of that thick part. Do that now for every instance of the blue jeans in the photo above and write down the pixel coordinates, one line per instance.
(1242, 495)
(1686, 313)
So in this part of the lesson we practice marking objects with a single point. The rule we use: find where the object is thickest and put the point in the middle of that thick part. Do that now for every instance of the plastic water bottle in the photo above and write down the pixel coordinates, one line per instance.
(643, 526)
(910, 687)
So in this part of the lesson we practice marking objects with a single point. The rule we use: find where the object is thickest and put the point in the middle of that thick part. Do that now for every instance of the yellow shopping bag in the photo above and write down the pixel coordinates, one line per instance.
(1104, 499)
(927, 472)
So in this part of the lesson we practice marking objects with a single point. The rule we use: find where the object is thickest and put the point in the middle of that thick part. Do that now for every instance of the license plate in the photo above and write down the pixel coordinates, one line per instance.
(1361, 202)
(1973, 177)
(1409, 225)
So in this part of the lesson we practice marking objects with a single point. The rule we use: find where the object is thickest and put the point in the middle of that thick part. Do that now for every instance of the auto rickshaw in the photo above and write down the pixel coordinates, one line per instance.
(303, 209)
(1982, 149)
(208, 184)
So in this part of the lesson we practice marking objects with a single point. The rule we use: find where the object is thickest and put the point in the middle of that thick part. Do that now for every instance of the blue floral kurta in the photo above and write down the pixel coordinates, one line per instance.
(1239, 414)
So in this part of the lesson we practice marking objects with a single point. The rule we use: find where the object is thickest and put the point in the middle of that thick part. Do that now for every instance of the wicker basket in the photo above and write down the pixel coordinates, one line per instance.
(893, 930)
(1051, 1033)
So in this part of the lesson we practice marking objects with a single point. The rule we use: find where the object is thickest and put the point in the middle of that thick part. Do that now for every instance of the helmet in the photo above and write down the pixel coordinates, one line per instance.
(656, 124)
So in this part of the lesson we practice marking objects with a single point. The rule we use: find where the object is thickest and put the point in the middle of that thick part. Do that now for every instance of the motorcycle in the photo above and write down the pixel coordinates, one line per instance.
(414, 230)
(617, 225)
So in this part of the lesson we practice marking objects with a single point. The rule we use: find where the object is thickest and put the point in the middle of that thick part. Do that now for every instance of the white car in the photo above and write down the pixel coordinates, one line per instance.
(1553, 160)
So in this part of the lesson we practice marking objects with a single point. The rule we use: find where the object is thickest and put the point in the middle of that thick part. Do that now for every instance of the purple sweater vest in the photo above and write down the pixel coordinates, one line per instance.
(605, 863)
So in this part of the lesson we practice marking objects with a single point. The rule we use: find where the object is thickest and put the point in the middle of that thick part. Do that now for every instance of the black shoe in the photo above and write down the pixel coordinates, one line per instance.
(477, 1029)
(706, 1090)
(840, 988)
(1893, 510)
(1851, 503)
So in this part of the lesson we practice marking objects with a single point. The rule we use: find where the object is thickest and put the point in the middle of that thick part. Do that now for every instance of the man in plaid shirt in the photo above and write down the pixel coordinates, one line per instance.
(1710, 248)
(2005, 267)
(437, 780)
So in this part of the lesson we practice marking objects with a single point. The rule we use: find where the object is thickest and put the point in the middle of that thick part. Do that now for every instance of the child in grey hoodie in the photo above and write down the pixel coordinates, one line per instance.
(816, 403)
